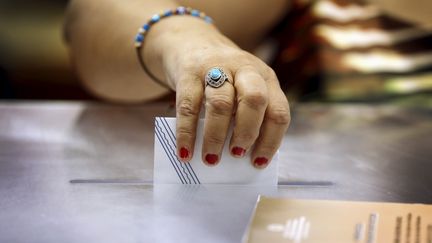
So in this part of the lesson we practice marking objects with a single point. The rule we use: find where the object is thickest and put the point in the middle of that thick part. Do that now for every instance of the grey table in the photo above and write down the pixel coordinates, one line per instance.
(371, 153)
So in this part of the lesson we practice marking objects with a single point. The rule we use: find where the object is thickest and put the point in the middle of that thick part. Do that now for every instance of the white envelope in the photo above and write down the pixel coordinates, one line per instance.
(169, 170)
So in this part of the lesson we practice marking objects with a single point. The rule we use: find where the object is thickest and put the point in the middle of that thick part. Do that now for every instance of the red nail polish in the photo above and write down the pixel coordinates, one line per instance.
(237, 151)
(260, 161)
(184, 153)
(211, 158)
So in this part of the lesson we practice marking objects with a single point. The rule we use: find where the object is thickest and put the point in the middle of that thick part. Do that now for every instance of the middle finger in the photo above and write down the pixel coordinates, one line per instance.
(252, 100)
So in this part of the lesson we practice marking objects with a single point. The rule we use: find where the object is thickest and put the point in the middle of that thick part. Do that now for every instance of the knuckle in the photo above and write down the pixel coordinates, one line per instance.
(271, 73)
(214, 139)
(184, 133)
(248, 136)
(279, 116)
(221, 104)
(186, 107)
(268, 148)
(256, 99)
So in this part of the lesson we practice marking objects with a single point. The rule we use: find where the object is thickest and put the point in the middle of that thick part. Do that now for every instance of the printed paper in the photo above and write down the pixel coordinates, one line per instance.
(286, 220)
(168, 169)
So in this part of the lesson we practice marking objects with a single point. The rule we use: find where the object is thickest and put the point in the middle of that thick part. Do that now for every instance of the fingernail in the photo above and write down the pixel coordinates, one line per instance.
(184, 153)
(211, 159)
(238, 152)
(260, 161)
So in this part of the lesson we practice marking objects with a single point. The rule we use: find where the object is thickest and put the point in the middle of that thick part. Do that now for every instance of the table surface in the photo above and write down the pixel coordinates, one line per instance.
(371, 153)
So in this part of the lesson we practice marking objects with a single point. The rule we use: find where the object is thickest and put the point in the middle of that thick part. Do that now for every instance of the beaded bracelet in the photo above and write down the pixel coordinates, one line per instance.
(139, 38)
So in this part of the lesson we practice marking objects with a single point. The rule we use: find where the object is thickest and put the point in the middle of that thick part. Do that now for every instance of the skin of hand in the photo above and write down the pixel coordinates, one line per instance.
(180, 50)
(252, 97)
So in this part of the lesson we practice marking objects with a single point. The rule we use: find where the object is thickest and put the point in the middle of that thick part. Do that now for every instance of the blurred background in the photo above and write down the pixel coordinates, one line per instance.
(376, 51)
(34, 62)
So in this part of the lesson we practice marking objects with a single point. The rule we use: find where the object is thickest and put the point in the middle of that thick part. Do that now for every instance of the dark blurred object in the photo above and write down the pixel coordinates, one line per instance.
(33, 52)
(6, 90)
(340, 50)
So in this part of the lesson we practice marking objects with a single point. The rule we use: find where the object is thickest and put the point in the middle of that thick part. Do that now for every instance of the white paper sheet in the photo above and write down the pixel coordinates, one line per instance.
(169, 170)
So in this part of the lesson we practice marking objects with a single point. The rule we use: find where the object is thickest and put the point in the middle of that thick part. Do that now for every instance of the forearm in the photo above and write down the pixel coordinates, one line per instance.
(181, 51)
(100, 35)
(182, 41)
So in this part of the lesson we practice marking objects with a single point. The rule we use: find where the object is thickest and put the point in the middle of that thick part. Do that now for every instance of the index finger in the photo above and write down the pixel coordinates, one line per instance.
(188, 104)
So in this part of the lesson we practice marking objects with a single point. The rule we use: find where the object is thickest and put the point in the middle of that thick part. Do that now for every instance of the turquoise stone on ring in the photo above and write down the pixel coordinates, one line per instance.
(215, 77)
(215, 73)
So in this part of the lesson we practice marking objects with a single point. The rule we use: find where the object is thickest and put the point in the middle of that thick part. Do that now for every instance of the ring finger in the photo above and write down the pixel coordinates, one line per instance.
(219, 104)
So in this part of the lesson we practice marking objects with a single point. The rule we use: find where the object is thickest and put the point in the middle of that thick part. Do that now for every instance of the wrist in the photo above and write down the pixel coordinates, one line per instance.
(171, 39)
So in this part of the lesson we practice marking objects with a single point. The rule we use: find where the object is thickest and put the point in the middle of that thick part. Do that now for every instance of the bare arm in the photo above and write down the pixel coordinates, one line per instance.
(100, 35)
(180, 50)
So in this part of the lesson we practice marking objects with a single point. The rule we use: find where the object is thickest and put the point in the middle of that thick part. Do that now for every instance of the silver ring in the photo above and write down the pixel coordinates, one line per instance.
(216, 77)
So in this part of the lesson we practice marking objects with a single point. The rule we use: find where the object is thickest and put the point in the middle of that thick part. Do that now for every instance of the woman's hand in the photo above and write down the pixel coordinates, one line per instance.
(251, 97)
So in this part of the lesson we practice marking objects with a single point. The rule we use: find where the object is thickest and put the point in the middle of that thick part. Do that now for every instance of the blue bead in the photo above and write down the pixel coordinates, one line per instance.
(146, 27)
(139, 38)
(168, 13)
(155, 18)
(215, 73)
(208, 19)
(195, 13)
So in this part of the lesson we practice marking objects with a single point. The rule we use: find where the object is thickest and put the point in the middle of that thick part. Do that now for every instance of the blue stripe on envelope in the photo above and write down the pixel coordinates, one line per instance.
(167, 139)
